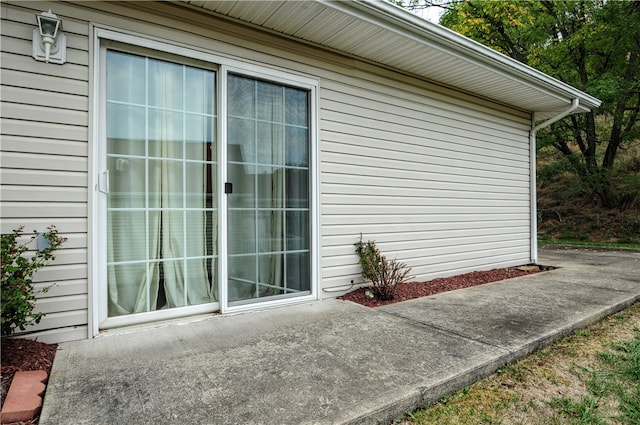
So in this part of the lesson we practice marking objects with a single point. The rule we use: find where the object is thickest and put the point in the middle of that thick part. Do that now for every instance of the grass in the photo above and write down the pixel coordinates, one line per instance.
(589, 377)
(589, 244)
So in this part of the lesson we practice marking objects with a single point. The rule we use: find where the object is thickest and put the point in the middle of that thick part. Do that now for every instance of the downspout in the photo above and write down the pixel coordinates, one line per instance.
(532, 156)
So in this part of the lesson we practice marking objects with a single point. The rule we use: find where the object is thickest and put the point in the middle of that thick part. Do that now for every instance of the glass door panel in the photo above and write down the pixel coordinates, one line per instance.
(162, 207)
(268, 209)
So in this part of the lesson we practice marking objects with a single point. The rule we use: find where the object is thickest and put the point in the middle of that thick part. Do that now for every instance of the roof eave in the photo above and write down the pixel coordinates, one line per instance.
(471, 49)
(481, 71)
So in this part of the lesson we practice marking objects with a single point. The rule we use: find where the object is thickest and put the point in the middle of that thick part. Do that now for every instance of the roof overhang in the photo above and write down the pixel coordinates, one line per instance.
(380, 32)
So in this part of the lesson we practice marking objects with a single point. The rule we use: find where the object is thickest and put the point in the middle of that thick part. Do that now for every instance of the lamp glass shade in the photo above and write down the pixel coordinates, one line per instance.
(49, 24)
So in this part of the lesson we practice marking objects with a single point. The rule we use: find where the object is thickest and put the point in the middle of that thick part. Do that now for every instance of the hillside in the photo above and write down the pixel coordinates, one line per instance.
(568, 211)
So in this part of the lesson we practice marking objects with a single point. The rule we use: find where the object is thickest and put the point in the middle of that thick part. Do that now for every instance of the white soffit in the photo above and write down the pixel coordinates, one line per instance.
(380, 32)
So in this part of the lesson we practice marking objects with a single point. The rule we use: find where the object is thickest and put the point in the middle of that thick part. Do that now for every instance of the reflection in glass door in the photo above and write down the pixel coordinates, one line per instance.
(268, 230)
(162, 167)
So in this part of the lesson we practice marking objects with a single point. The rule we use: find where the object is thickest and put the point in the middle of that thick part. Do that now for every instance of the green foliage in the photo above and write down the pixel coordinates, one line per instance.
(593, 46)
(584, 411)
(370, 258)
(566, 207)
(630, 407)
(18, 267)
(506, 26)
(383, 275)
(629, 352)
(557, 168)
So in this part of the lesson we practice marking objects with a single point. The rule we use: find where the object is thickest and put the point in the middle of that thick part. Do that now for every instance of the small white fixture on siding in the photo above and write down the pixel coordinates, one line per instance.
(49, 44)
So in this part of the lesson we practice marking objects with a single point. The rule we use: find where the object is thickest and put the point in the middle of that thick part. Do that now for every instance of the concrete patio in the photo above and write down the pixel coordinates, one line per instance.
(332, 362)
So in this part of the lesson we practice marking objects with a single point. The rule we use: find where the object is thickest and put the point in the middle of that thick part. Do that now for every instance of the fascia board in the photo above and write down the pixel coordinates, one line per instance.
(400, 21)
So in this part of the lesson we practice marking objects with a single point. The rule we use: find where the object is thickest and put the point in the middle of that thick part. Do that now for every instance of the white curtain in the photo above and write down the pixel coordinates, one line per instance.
(256, 155)
(150, 227)
(271, 145)
(268, 125)
(277, 229)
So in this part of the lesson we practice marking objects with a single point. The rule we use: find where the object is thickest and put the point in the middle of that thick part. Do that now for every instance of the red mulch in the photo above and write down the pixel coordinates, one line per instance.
(410, 290)
(20, 354)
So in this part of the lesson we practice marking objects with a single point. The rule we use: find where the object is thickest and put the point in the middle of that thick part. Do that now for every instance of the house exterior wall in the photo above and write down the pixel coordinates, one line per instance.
(44, 161)
(438, 178)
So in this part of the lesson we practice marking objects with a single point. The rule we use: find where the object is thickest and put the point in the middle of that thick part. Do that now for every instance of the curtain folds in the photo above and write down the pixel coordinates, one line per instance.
(162, 210)
(157, 220)
(267, 145)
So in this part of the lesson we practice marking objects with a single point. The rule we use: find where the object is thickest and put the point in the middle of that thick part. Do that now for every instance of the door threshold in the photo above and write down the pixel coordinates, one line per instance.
(141, 327)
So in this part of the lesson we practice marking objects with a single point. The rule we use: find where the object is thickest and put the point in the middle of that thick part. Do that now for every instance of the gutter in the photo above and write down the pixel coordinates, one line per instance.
(575, 104)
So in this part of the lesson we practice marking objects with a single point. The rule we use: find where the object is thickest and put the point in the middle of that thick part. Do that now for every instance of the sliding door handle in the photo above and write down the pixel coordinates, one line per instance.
(103, 182)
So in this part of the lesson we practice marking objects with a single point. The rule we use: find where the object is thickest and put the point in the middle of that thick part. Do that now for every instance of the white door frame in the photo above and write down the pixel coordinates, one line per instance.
(97, 225)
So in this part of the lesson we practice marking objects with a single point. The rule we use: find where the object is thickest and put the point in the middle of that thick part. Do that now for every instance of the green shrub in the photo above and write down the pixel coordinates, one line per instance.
(383, 275)
(18, 267)
(370, 257)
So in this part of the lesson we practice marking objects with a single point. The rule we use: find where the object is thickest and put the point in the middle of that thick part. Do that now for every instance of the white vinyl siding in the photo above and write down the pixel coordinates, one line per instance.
(438, 178)
(442, 185)
(44, 165)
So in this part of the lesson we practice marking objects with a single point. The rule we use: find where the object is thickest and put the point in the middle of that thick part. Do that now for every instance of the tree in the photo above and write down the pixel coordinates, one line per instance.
(592, 45)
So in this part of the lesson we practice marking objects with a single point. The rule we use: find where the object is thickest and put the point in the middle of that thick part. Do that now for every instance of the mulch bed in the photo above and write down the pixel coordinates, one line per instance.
(410, 290)
(20, 354)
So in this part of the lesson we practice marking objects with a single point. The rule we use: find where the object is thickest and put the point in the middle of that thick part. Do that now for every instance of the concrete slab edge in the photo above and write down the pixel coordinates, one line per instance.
(421, 397)
(58, 369)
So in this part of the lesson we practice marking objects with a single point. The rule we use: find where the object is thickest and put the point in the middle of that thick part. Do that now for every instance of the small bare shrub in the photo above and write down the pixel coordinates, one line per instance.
(383, 275)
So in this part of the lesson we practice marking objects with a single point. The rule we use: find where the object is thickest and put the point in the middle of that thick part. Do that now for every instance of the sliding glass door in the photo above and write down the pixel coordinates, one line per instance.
(189, 225)
(268, 190)
(162, 191)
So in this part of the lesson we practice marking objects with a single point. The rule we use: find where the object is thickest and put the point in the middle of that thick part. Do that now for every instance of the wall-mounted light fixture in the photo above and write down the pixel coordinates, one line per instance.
(49, 44)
